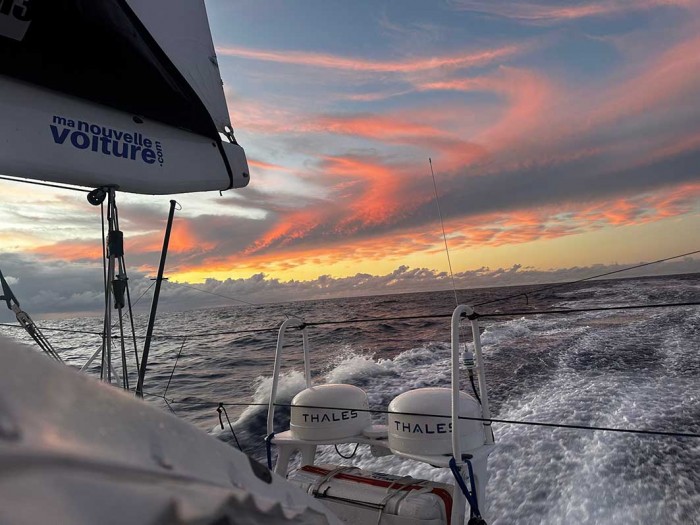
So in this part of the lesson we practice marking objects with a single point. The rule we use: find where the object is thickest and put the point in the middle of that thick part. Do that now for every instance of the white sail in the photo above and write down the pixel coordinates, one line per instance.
(178, 26)
(110, 92)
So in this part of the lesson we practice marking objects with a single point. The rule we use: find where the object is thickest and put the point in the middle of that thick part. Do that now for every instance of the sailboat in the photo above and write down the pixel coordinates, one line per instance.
(126, 96)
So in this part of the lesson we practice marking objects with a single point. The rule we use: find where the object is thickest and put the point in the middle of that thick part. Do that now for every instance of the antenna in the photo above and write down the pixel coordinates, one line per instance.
(442, 225)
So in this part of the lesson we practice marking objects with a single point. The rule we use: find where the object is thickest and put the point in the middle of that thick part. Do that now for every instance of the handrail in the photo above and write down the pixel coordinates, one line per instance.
(459, 312)
(292, 322)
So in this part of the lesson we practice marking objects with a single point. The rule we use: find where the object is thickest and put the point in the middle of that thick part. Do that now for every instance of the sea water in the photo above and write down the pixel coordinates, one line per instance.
(634, 369)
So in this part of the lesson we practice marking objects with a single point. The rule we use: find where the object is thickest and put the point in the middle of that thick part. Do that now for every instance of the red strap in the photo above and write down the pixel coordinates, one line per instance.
(443, 494)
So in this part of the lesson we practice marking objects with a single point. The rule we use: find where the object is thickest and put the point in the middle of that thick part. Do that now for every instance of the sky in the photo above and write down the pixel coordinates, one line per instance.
(564, 138)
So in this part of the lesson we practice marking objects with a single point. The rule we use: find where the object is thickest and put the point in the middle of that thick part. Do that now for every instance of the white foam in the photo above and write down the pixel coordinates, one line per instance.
(289, 385)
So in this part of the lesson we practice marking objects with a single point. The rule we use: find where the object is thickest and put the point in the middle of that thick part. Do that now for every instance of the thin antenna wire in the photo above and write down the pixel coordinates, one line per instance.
(442, 225)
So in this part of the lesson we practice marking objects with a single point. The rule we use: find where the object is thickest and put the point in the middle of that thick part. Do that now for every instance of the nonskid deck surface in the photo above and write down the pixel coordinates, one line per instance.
(92, 454)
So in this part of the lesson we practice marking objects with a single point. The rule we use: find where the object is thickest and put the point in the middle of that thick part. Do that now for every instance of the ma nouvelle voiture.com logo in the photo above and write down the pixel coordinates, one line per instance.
(106, 141)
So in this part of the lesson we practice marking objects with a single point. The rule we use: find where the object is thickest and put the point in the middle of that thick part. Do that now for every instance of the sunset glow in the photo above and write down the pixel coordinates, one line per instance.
(555, 132)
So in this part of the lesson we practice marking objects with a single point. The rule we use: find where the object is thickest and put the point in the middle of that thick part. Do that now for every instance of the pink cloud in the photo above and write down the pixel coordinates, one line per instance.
(541, 13)
(527, 94)
(269, 166)
(672, 74)
(328, 61)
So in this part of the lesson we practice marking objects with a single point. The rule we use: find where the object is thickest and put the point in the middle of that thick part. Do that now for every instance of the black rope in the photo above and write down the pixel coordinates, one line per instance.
(515, 313)
(196, 401)
(214, 293)
(347, 457)
(169, 406)
(144, 293)
(172, 372)
(99, 334)
(476, 393)
(222, 408)
(598, 276)
(131, 313)
(564, 311)
(227, 297)
(379, 319)
(448, 315)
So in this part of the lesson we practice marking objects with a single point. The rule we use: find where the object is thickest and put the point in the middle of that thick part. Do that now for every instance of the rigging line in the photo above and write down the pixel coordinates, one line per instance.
(222, 408)
(286, 314)
(184, 339)
(442, 316)
(122, 266)
(131, 316)
(215, 334)
(559, 285)
(383, 319)
(137, 300)
(133, 331)
(144, 293)
(7, 325)
(105, 285)
(592, 309)
(47, 184)
(125, 371)
(442, 225)
(169, 406)
(214, 293)
(193, 401)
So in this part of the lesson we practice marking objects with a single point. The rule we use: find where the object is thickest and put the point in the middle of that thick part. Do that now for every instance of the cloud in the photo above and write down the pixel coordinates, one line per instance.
(550, 14)
(669, 82)
(356, 64)
(522, 152)
(527, 94)
(75, 289)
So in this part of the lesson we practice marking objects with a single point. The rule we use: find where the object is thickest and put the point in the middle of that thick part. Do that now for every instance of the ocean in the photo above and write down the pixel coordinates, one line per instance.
(636, 369)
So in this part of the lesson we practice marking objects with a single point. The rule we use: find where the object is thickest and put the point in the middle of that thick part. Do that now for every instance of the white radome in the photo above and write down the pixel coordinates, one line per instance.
(348, 416)
(428, 434)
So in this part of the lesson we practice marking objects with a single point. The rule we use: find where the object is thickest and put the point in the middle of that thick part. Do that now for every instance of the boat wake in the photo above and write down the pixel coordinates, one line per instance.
(600, 369)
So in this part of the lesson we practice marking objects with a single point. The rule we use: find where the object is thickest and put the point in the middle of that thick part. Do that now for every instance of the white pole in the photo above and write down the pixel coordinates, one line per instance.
(456, 445)
(276, 372)
(459, 501)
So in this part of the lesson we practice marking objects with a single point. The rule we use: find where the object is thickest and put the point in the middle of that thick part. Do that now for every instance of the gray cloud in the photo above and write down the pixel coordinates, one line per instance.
(75, 289)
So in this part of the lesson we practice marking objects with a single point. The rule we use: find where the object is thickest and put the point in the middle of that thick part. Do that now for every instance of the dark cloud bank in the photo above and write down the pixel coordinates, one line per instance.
(46, 288)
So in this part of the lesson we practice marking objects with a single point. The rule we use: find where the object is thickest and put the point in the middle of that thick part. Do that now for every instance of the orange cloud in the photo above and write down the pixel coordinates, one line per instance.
(366, 195)
(373, 196)
(289, 227)
(381, 127)
(487, 230)
(268, 166)
(70, 250)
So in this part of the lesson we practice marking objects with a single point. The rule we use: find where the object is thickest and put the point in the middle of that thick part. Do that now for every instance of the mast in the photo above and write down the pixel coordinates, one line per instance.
(153, 119)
